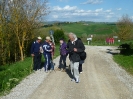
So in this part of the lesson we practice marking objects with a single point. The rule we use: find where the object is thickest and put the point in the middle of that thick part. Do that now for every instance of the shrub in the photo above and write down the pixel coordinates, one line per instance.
(58, 34)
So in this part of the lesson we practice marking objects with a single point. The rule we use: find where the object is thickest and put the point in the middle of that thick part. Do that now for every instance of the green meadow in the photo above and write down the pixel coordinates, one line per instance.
(89, 28)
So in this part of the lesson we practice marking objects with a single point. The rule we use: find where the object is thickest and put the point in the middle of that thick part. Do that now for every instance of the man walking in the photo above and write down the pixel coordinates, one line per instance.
(75, 46)
(47, 53)
(36, 54)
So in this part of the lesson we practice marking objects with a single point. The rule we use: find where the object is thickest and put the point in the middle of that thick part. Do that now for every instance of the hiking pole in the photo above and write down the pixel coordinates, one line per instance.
(31, 67)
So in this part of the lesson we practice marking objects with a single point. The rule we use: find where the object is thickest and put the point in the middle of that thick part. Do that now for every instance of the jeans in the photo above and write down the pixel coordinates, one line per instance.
(62, 58)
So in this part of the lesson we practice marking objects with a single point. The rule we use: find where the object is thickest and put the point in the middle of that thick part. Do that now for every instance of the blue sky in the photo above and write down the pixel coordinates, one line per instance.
(89, 10)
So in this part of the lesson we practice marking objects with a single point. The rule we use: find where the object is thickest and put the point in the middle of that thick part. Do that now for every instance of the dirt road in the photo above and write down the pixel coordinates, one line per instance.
(102, 78)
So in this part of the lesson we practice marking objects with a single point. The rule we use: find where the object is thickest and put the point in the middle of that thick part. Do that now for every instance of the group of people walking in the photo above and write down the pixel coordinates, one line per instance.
(73, 49)
(47, 49)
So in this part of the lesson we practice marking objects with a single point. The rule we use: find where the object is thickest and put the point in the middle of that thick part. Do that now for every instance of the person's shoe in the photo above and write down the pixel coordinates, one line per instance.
(81, 72)
(58, 69)
(77, 80)
(72, 79)
(46, 71)
(63, 70)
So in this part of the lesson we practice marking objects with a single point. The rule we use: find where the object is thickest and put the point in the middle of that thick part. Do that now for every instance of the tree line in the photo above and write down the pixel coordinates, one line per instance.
(18, 21)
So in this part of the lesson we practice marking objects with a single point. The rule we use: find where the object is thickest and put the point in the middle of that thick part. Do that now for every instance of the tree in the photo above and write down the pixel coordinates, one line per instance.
(18, 21)
(124, 27)
(59, 34)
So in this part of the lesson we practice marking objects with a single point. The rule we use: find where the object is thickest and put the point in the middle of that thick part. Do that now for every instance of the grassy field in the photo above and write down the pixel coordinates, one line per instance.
(81, 28)
(11, 75)
(125, 61)
(90, 28)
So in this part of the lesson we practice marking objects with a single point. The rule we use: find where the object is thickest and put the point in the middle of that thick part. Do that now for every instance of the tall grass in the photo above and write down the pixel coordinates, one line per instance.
(11, 75)
(125, 61)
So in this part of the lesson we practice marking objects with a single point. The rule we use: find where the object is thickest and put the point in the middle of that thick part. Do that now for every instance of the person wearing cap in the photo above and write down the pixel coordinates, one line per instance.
(63, 55)
(36, 53)
(47, 53)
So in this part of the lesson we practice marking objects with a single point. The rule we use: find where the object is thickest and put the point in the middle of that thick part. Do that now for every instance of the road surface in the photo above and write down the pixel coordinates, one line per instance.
(102, 78)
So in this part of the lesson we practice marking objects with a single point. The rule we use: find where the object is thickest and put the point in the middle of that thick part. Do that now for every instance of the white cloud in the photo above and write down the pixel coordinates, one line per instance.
(108, 11)
(63, 0)
(92, 2)
(108, 16)
(66, 8)
(132, 17)
(119, 9)
(55, 16)
(111, 13)
(99, 10)
(71, 13)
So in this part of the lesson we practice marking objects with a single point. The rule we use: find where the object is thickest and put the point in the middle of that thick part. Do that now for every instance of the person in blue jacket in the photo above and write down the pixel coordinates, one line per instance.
(47, 49)
(36, 54)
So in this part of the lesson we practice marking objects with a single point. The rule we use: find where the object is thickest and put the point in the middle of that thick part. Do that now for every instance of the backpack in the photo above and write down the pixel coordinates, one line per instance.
(83, 55)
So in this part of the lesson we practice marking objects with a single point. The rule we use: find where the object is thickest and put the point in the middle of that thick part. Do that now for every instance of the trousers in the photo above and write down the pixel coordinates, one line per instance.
(74, 69)
(37, 61)
(47, 57)
(62, 58)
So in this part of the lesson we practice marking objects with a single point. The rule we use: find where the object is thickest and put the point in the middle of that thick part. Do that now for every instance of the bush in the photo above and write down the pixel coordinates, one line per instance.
(126, 49)
(58, 34)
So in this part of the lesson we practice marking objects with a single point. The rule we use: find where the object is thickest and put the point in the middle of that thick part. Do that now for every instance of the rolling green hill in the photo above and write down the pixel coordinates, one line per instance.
(88, 28)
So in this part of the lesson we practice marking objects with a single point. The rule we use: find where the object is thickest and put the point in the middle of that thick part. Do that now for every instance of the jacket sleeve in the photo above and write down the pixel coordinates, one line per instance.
(81, 47)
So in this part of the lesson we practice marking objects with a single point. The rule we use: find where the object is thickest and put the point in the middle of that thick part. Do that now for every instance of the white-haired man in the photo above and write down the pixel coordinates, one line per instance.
(75, 47)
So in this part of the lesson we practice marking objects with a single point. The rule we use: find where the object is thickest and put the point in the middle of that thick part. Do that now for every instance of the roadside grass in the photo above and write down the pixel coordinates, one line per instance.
(12, 75)
(125, 61)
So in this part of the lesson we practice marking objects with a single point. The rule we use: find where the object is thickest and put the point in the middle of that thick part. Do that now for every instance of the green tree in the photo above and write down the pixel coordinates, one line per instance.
(18, 21)
(59, 34)
(124, 27)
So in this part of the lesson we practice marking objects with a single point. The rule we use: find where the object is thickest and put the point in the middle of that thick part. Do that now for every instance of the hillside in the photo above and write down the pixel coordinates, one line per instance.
(88, 28)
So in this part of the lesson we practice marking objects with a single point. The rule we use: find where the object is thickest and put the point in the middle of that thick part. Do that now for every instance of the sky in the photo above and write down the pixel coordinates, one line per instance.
(89, 10)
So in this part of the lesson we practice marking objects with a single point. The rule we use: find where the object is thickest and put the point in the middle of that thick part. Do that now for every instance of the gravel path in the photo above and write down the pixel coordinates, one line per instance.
(102, 78)
(28, 85)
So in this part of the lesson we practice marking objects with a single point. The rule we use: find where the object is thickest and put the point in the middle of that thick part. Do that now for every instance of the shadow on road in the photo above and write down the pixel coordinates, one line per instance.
(68, 71)
(113, 52)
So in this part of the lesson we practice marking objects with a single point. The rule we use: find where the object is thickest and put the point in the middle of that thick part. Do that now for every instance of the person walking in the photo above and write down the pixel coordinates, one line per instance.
(36, 53)
(75, 47)
(63, 55)
(47, 53)
(52, 55)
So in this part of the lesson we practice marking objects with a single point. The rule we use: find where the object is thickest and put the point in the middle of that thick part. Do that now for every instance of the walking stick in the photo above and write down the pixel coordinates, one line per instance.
(31, 67)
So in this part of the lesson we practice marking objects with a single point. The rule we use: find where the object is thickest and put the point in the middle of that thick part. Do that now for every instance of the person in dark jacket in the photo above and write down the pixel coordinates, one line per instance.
(47, 53)
(75, 47)
(80, 62)
(36, 54)
(63, 55)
